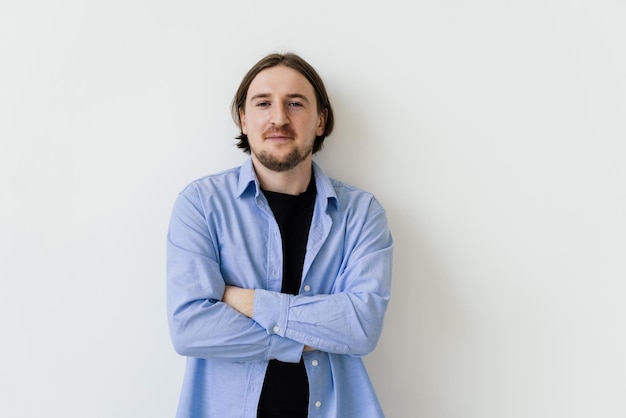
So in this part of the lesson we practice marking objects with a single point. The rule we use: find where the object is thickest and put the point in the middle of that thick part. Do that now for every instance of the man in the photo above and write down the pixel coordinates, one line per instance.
(278, 276)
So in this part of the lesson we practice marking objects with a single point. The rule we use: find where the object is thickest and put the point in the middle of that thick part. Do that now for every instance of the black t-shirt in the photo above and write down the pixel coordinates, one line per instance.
(285, 392)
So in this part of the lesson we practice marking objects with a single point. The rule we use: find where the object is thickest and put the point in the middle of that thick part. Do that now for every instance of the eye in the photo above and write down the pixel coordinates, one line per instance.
(295, 104)
(262, 104)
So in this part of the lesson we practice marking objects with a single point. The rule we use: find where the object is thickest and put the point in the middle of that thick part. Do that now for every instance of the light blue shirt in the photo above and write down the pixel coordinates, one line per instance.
(221, 232)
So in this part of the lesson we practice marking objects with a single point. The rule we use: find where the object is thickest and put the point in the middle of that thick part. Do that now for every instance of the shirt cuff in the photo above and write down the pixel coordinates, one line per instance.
(271, 310)
(284, 349)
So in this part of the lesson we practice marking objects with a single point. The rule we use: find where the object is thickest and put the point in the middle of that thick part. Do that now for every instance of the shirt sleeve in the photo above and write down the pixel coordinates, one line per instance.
(200, 324)
(350, 319)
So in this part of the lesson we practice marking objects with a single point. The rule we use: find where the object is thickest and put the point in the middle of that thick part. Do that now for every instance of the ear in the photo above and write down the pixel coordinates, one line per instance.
(242, 119)
(321, 126)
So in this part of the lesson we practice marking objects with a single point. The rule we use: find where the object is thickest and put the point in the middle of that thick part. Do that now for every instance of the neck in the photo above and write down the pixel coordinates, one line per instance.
(293, 181)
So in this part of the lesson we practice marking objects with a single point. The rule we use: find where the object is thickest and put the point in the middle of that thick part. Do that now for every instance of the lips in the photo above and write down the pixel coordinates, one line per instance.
(279, 136)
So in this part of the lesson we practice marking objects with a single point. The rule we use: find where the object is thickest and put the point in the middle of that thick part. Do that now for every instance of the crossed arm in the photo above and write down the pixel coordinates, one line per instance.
(242, 300)
(345, 318)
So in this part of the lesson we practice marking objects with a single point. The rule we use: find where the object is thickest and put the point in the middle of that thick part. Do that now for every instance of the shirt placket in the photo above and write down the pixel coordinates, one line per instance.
(274, 254)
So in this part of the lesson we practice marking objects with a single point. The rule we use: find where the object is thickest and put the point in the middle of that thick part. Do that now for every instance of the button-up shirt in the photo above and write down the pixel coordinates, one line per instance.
(222, 232)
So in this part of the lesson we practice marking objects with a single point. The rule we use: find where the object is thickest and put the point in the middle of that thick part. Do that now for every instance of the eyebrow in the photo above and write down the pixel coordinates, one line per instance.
(289, 96)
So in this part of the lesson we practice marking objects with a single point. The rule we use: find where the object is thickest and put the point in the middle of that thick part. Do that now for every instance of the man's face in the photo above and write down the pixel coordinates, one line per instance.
(281, 118)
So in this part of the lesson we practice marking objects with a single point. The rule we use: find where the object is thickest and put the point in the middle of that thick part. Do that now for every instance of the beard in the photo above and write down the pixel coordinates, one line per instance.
(290, 161)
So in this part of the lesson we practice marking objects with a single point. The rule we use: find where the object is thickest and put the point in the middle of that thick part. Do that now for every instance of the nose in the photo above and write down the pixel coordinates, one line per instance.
(279, 116)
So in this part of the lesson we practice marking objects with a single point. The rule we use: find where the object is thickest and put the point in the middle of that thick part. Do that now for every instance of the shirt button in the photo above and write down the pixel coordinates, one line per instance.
(307, 288)
(315, 362)
(318, 404)
(276, 328)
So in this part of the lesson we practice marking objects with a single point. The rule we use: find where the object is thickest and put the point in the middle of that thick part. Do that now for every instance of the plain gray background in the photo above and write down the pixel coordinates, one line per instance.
(493, 132)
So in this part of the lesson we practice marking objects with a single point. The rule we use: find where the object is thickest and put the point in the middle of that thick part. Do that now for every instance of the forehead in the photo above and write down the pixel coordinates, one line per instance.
(281, 80)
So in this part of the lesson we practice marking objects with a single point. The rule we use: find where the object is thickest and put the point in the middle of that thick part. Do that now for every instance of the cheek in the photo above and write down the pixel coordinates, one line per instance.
(253, 123)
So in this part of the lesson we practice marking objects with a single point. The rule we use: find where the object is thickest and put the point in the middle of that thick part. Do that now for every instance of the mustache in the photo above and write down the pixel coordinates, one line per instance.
(279, 131)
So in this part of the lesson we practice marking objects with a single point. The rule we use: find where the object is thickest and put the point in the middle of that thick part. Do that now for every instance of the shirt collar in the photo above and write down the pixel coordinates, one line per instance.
(247, 178)
(324, 185)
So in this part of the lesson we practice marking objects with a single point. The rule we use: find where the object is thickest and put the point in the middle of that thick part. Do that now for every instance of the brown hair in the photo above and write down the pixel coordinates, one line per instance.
(295, 62)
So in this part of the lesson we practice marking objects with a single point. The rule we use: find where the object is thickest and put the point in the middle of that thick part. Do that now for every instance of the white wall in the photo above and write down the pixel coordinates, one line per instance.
(493, 133)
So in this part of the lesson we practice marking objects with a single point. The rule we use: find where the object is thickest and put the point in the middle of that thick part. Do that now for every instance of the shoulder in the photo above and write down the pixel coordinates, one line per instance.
(215, 190)
(332, 188)
(211, 183)
(350, 196)
(347, 198)
(231, 183)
